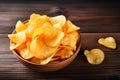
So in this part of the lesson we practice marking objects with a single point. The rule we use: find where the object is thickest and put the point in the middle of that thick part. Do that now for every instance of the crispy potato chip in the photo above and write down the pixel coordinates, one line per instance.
(40, 50)
(43, 61)
(58, 21)
(56, 40)
(14, 46)
(33, 18)
(64, 53)
(47, 60)
(37, 20)
(35, 60)
(55, 59)
(29, 32)
(37, 31)
(20, 26)
(94, 56)
(25, 53)
(48, 30)
(70, 39)
(36, 25)
(39, 61)
(71, 27)
(19, 37)
(108, 42)
(22, 46)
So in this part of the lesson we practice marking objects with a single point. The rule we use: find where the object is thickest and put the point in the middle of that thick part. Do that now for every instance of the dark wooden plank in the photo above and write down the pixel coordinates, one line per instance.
(4, 42)
(19, 7)
(87, 26)
(99, 25)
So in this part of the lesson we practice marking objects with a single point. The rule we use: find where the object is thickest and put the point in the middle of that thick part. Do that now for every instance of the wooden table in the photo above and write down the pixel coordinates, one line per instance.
(95, 20)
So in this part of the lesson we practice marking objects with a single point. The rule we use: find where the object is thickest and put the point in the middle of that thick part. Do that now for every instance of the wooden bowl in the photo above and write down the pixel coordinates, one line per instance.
(50, 66)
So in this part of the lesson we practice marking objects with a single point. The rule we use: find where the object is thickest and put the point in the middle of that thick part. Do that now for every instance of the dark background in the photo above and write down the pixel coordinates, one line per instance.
(95, 18)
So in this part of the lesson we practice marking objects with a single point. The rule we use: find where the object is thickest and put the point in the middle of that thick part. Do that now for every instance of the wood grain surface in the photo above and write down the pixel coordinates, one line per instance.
(95, 20)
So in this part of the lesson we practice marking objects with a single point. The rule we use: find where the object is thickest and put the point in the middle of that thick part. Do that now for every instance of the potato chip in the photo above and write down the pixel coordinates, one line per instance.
(70, 39)
(64, 53)
(35, 60)
(94, 56)
(40, 50)
(18, 38)
(25, 53)
(108, 42)
(71, 27)
(43, 61)
(47, 60)
(14, 46)
(37, 20)
(56, 40)
(20, 26)
(36, 25)
(23, 45)
(58, 21)
(55, 59)
(37, 31)
(39, 61)
(33, 18)
(48, 30)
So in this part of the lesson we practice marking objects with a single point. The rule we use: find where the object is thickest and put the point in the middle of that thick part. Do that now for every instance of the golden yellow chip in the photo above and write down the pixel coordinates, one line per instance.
(55, 59)
(40, 50)
(58, 21)
(108, 42)
(14, 46)
(25, 53)
(36, 25)
(70, 39)
(71, 27)
(35, 60)
(64, 53)
(37, 32)
(43, 61)
(20, 26)
(47, 60)
(39, 61)
(56, 40)
(37, 20)
(94, 56)
(34, 17)
(48, 30)
(18, 38)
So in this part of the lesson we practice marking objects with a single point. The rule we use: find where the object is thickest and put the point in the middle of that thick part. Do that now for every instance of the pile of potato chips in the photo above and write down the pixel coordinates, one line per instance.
(43, 39)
